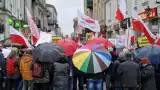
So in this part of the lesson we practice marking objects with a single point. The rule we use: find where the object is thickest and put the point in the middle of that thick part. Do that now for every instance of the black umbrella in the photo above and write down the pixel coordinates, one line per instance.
(47, 52)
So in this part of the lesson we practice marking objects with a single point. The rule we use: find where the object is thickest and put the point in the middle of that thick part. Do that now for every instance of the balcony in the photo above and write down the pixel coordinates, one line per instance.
(90, 4)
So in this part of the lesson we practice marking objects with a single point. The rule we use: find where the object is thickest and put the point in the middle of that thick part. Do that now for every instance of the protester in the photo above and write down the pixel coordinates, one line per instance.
(95, 81)
(2, 69)
(61, 74)
(147, 75)
(25, 70)
(13, 74)
(129, 73)
(78, 76)
(115, 77)
(40, 75)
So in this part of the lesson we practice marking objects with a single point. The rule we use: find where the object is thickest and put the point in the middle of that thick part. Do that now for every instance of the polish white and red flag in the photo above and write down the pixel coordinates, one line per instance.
(17, 37)
(33, 27)
(121, 11)
(139, 26)
(86, 22)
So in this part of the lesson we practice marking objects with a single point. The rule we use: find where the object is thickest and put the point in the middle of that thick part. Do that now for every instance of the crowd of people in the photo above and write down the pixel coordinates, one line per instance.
(19, 72)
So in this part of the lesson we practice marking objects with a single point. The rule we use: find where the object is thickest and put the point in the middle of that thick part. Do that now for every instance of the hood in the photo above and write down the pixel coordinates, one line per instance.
(27, 59)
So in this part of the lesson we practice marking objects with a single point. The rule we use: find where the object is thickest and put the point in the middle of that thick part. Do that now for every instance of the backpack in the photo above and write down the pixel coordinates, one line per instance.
(37, 70)
(10, 66)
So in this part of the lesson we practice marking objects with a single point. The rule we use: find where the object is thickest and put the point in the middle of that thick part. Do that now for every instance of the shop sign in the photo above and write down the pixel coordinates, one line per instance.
(88, 36)
(143, 41)
(152, 13)
(55, 38)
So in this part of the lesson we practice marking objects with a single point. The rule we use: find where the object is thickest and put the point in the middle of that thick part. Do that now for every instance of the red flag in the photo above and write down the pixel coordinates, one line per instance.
(121, 11)
(138, 25)
(33, 27)
(17, 37)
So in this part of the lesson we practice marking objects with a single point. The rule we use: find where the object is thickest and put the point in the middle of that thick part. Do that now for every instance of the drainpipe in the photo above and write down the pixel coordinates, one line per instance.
(24, 10)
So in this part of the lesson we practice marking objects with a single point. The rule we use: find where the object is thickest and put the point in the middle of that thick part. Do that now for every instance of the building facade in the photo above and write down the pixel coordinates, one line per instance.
(98, 11)
(13, 13)
(52, 19)
(142, 7)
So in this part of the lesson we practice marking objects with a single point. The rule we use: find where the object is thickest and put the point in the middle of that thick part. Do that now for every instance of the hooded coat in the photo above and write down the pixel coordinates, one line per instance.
(129, 73)
(148, 78)
(61, 75)
(25, 65)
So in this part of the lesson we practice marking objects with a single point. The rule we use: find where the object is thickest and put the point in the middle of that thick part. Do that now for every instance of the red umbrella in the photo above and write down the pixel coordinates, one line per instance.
(102, 41)
(69, 46)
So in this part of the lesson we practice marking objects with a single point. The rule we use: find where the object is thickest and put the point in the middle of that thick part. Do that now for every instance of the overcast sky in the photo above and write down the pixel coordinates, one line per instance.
(67, 11)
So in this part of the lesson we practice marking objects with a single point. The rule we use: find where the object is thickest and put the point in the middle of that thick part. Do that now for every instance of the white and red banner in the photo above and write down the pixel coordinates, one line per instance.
(121, 11)
(87, 22)
(138, 25)
(44, 38)
(33, 27)
(17, 37)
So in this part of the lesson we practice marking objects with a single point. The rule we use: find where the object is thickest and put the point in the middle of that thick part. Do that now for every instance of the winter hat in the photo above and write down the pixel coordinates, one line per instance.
(128, 55)
(145, 60)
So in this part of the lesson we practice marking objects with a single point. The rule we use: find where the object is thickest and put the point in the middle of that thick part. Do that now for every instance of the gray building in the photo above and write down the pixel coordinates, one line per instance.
(15, 9)
(40, 14)
(52, 19)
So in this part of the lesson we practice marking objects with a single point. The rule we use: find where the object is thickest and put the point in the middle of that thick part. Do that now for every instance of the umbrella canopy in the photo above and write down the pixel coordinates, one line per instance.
(91, 59)
(47, 52)
(69, 46)
(150, 52)
(102, 41)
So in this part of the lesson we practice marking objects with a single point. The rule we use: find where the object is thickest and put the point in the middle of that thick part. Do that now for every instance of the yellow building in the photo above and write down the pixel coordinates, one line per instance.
(95, 10)
(98, 11)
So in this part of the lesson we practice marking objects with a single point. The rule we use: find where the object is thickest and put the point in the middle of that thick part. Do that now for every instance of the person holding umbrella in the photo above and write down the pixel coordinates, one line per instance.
(147, 75)
(93, 60)
(61, 74)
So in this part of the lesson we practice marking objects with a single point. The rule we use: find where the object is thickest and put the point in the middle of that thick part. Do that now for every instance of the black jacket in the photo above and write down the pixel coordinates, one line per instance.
(129, 73)
(148, 78)
(2, 66)
(61, 76)
(115, 76)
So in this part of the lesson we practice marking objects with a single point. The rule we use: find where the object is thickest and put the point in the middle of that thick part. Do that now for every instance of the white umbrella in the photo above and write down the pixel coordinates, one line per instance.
(6, 52)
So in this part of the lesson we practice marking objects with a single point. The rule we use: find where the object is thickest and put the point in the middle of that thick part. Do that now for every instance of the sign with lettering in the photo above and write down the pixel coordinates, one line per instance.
(120, 40)
(143, 41)
(88, 36)
(55, 38)
(148, 14)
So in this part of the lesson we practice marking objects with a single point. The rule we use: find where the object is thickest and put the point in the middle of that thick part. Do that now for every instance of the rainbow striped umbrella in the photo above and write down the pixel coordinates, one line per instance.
(92, 59)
